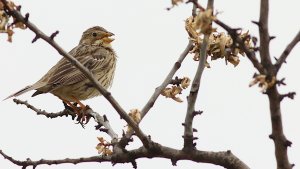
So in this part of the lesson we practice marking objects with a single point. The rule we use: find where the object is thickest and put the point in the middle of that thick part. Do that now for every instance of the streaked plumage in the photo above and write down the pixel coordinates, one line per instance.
(67, 82)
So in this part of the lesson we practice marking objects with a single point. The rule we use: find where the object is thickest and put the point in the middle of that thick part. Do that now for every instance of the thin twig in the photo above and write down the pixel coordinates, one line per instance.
(188, 123)
(167, 80)
(287, 51)
(65, 112)
(100, 120)
(83, 69)
(264, 48)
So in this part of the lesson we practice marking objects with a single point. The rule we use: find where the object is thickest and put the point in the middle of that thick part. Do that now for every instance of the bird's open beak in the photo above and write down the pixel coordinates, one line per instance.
(107, 37)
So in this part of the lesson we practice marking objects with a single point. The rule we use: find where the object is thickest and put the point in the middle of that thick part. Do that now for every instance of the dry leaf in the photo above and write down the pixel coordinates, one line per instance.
(203, 22)
(135, 114)
(172, 92)
(262, 82)
(185, 82)
(10, 32)
(175, 2)
(103, 147)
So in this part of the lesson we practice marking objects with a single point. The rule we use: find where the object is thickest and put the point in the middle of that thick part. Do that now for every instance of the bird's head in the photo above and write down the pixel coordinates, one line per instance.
(96, 36)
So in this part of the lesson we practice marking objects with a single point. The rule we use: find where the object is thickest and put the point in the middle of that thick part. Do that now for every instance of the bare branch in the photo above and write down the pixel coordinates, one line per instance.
(287, 51)
(224, 158)
(167, 80)
(100, 120)
(29, 162)
(65, 112)
(188, 127)
(274, 97)
(264, 48)
(84, 70)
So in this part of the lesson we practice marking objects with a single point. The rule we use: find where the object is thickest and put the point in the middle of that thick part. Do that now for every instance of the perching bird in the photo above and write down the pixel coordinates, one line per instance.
(65, 81)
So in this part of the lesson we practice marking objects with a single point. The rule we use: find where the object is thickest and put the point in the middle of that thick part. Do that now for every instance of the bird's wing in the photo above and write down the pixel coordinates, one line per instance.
(67, 74)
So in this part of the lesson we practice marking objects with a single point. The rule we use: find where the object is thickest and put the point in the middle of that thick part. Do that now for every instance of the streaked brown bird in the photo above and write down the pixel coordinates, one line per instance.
(65, 81)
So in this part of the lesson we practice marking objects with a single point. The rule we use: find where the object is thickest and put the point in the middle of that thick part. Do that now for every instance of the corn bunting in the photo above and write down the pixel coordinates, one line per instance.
(65, 81)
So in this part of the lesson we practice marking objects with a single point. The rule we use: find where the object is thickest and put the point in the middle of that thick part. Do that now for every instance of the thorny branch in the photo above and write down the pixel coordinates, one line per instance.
(84, 70)
(265, 67)
(188, 123)
(100, 120)
(287, 51)
(280, 141)
(223, 158)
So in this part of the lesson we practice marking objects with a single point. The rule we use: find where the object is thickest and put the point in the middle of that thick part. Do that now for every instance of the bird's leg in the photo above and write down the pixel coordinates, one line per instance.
(73, 107)
(83, 108)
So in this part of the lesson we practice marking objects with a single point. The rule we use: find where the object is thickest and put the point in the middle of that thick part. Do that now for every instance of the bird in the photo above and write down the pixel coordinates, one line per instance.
(69, 84)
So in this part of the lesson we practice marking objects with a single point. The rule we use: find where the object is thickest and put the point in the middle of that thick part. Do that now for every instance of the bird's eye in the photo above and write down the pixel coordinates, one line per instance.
(94, 34)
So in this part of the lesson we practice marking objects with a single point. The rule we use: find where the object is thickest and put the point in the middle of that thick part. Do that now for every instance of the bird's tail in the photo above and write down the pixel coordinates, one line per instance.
(22, 91)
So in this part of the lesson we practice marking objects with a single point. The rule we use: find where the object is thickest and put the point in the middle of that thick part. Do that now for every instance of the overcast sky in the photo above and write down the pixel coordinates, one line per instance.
(149, 39)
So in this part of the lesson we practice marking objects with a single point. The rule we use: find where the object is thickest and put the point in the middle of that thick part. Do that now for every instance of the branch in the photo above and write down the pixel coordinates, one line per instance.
(167, 80)
(280, 141)
(65, 112)
(224, 158)
(265, 38)
(188, 123)
(84, 70)
(287, 51)
(100, 120)
(29, 162)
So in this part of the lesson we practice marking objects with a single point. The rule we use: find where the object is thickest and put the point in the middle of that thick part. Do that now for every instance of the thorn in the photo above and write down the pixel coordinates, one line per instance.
(98, 126)
(134, 164)
(194, 144)
(53, 35)
(254, 75)
(272, 37)
(35, 39)
(26, 17)
(19, 8)
(288, 143)
(256, 23)
(105, 118)
(228, 152)
(290, 95)
(292, 165)
(271, 136)
(276, 59)
(199, 112)
(183, 124)
(174, 162)
(281, 82)
(195, 138)
(104, 130)
(195, 130)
